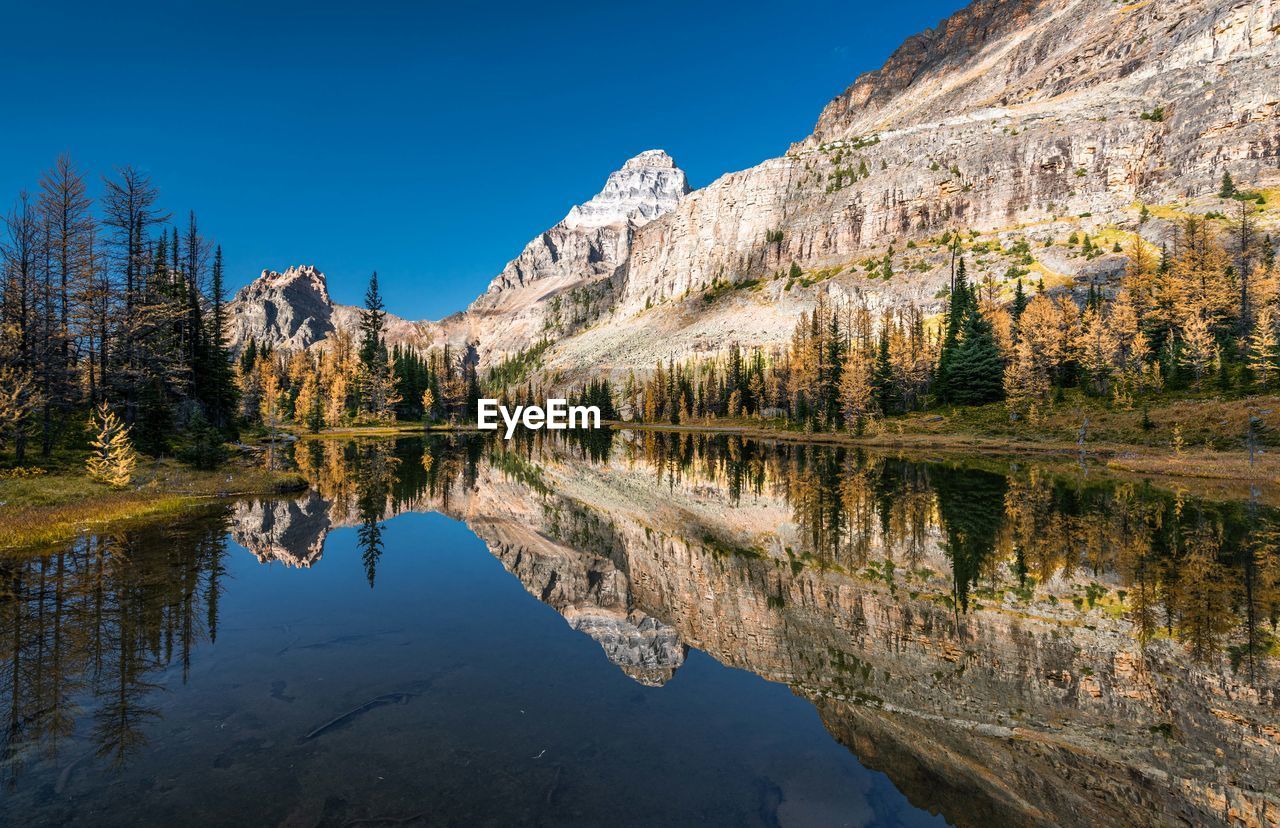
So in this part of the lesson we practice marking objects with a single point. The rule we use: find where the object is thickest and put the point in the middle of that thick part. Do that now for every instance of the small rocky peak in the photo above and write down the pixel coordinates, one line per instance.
(296, 280)
(646, 187)
(655, 158)
(288, 310)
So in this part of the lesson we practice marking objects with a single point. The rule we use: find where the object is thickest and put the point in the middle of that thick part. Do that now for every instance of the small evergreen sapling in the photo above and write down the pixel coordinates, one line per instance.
(1228, 188)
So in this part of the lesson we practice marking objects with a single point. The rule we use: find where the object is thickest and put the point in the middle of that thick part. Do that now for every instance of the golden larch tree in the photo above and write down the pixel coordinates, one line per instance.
(111, 457)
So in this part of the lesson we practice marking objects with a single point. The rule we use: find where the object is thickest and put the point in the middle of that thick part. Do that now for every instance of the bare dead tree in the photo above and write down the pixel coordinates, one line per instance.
(63, 206)
(20, 303)
(129, 212)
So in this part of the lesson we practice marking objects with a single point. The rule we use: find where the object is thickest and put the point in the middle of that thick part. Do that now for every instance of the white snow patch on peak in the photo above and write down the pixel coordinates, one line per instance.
(651, 158)
(647, 186)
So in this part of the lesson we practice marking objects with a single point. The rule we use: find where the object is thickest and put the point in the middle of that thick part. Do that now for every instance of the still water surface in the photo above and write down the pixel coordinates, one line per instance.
(655, 630)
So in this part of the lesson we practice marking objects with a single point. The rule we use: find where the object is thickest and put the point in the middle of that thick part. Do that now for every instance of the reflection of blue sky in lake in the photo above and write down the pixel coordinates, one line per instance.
(491, 678)
(748, 633)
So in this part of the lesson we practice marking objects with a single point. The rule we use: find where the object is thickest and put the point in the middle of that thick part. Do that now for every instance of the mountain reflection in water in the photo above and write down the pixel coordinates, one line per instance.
(1007, 645)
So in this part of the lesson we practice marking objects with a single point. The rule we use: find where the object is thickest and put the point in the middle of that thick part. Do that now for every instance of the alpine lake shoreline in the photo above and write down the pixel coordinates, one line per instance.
(54, 505)
(532, 501)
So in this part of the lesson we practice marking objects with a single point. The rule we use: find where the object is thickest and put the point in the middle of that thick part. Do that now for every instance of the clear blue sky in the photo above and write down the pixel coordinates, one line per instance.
(427, 141)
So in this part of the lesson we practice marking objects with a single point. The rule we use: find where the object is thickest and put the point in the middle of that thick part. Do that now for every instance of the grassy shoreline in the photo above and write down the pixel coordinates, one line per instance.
(52, 508)
(1193, 444)
(1188, 443)
(1217, 474)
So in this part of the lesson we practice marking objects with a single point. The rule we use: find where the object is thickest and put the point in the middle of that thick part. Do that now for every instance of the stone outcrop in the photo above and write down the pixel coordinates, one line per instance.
(548, 289)
(290, 310)
(647, 187)
(1011, 112)
(534, 295)
(1018, 119)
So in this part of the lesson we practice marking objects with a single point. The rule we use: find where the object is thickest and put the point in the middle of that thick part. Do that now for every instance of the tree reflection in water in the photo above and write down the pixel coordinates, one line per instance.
(100, 620)
(89, 628)
(1205, 573)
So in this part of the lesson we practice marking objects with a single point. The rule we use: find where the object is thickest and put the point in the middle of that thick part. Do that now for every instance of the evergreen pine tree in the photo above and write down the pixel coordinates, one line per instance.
(1019, 303)
(957, 307)
(882, 377)
(205, 450)
(248, 357)
(970, 371)
(378, 394)
(1228, 188)
(371, 323)
(977, 373)
(219, 392)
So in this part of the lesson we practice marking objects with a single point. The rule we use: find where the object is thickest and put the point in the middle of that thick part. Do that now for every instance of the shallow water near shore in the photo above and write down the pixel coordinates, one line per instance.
(650, 629)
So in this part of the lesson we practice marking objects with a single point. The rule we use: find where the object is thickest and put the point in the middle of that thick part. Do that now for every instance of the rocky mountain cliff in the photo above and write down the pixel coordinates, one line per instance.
(1023, 120)
(289, 310)
(292, 310)
(550, 287)
(1020, 120)
(543, 291)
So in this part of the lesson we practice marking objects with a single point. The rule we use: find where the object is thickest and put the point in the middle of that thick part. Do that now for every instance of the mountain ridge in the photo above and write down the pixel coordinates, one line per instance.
(1021, 119)
(292, 309)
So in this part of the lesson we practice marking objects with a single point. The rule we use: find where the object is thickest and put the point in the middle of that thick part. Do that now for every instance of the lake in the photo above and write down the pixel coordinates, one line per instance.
(645, 628)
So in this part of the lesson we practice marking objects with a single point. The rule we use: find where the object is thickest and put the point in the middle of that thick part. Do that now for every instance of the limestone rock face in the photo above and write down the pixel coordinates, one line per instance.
(532, 296)
(595, 236)
(1013, 118)
(646, 187)
(1010, 112)
(549, 288)
(289, 310)
(292, 310)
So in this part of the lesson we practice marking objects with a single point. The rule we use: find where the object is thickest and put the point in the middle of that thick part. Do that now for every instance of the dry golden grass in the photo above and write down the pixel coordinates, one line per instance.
(1215, 424)
(51, 508)
(1225, 475)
